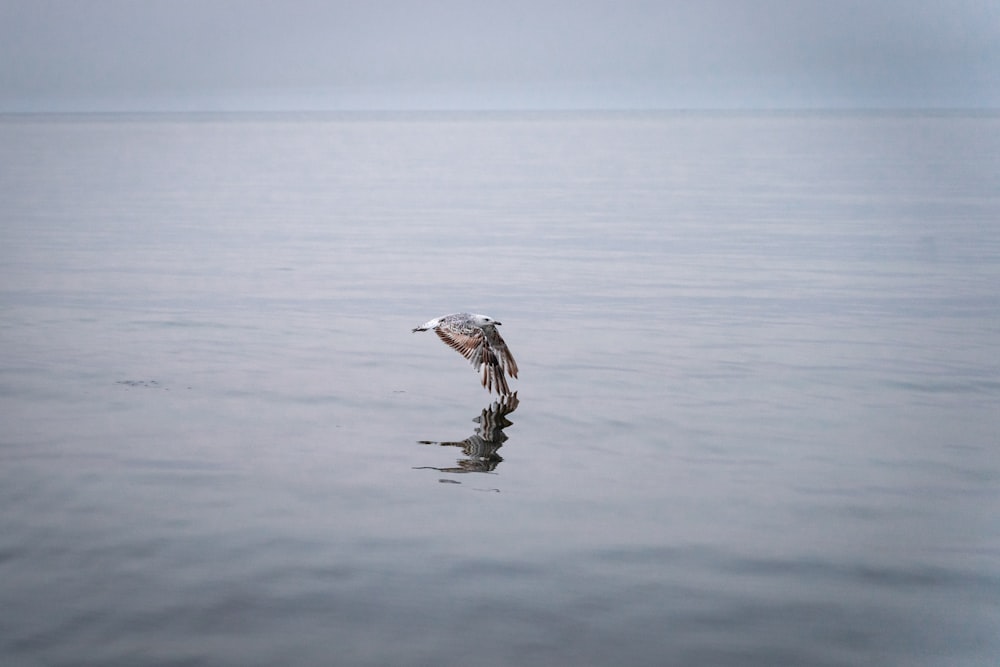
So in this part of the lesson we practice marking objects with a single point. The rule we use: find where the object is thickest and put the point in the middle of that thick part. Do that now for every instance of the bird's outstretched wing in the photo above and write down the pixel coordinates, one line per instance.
(486, 351)
(499, 348)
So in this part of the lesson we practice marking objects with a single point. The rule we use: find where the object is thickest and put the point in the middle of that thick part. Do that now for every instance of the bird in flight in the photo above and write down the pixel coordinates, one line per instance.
(476, 338)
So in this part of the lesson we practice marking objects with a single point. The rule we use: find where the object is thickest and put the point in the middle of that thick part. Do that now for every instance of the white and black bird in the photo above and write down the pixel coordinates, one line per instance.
(476, 338)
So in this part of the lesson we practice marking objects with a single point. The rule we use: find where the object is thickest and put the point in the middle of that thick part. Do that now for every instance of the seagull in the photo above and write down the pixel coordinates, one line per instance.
(476, 338)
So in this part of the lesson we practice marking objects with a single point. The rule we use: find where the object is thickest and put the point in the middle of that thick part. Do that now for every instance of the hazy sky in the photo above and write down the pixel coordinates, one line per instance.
(312, 54)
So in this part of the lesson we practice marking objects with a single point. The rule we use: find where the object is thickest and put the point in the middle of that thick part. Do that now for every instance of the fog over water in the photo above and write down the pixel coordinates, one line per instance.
(211, 55)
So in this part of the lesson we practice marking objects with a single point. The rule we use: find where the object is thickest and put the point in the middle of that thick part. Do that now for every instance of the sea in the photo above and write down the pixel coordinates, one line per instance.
(756, 423)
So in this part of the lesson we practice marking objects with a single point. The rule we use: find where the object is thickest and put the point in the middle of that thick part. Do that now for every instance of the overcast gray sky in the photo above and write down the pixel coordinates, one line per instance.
(399, 54)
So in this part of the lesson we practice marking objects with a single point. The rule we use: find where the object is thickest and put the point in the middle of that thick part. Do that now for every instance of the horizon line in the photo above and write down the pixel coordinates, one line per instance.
(496, 110)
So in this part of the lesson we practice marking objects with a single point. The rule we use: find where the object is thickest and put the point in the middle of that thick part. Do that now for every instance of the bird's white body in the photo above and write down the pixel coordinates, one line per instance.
(473, 318)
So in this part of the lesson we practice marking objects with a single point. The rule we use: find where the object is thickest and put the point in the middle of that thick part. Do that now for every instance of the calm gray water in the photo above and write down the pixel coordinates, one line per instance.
(756, 423)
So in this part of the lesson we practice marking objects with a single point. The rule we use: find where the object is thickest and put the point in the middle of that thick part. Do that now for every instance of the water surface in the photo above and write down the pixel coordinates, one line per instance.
(756, 420)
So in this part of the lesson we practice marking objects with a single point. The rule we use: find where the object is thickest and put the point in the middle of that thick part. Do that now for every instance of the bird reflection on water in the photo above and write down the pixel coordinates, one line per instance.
(479, 450)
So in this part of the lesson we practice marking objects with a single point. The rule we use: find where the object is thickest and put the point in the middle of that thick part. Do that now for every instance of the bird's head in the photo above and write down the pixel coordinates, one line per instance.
(483, 320)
